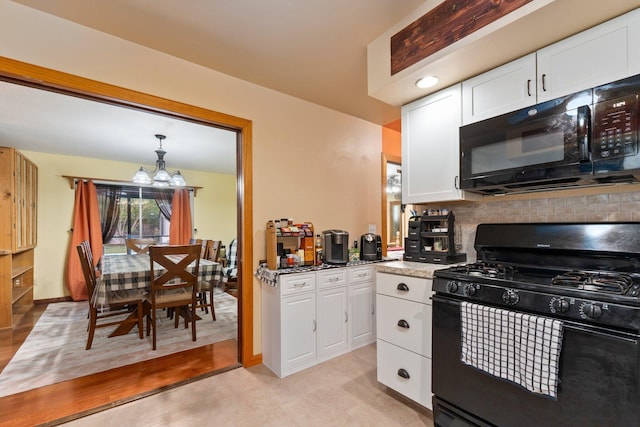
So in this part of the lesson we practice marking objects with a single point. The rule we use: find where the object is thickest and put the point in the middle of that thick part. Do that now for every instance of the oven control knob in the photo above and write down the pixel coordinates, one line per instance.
(560, 305)
(510, 297)
(452, 286)
(470, 290)
(591, 310)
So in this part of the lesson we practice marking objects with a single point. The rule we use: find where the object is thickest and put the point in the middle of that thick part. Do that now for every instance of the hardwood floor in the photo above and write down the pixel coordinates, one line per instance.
(71, 399)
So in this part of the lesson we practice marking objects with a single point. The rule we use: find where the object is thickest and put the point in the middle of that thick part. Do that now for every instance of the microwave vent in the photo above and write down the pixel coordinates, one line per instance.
(616, 179)
(546, 184)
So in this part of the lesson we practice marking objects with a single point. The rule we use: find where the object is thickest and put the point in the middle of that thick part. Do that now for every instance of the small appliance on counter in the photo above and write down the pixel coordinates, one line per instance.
(335, 246)
(370, 247)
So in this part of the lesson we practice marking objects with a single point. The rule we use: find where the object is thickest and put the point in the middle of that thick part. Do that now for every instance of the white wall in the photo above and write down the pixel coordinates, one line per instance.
(310, 163)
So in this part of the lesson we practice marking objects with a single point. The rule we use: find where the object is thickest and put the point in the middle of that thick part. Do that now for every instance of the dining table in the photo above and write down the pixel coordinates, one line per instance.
(122, 273)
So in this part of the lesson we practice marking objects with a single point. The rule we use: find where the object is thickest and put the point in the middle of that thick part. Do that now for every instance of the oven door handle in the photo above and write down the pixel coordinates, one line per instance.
(568, 324)
(443, 299)
(609, 333)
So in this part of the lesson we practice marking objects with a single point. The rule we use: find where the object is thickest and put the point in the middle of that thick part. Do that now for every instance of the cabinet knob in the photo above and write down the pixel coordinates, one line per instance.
(403, 373)
(403, 324)
(402, 287)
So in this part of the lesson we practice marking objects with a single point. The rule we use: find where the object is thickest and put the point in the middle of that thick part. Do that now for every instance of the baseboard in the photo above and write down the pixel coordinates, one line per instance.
(52, 300)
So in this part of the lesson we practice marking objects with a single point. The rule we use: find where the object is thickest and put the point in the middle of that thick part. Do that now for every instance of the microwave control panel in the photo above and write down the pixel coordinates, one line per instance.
(615, 132)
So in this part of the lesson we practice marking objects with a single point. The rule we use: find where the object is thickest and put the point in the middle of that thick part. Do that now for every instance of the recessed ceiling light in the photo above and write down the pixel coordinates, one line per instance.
(427, 82)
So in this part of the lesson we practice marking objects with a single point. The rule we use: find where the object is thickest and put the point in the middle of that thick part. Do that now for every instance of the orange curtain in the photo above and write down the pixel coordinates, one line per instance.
(180, 228)
(86, 226)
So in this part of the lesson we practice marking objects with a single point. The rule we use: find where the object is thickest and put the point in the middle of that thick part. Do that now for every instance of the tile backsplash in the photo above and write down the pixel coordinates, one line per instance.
(606, 207)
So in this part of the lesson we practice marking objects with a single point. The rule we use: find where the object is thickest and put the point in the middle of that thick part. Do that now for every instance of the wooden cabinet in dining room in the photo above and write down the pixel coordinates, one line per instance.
(18, 234)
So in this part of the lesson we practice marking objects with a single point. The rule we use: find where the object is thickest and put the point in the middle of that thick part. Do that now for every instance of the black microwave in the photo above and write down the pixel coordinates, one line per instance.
(586, 138)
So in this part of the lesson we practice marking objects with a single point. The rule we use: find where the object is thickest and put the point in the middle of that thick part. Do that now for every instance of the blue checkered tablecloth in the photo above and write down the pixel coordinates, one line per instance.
(120, 273)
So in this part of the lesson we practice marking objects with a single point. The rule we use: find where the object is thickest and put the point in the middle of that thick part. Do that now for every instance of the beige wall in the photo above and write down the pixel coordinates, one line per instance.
(310, 163)
(217, 199)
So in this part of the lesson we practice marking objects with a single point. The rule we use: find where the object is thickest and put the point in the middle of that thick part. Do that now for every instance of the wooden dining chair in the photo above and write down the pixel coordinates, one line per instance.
(230, 271)
(139, 246)
(204, 296)
(173, 284)
(214, 250)
(120, 303)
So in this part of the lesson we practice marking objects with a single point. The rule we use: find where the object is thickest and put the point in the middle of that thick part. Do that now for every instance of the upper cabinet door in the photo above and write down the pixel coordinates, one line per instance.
(591, 58)
(509, 87)
(430, 147)
(633, 50)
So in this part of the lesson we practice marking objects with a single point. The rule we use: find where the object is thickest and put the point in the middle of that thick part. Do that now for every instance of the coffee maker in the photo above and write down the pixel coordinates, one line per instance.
(370, 247)
(335, 246)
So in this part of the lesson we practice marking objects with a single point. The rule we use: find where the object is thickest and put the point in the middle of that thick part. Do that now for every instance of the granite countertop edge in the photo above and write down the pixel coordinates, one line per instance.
(409, 268)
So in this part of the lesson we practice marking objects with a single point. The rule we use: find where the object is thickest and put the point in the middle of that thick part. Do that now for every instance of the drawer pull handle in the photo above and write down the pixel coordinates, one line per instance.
(315, 326)
(300, 285)
(403, 287)
(403, 373)
(403, 324)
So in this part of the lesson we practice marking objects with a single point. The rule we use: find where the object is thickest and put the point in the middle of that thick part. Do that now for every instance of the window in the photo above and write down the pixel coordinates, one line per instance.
(133, 212)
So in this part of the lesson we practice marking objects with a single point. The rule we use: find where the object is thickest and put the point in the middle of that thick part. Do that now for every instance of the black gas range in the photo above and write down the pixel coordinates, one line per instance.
(586, 277)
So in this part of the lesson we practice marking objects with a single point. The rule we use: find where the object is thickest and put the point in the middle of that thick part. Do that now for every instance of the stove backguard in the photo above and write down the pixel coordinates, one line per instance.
(607, 246)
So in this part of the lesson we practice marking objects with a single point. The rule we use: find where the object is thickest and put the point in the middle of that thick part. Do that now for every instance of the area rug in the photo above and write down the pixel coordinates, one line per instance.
(55, 351)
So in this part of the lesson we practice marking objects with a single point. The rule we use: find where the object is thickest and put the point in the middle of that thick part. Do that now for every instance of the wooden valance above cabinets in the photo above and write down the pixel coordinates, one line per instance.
(445, 24)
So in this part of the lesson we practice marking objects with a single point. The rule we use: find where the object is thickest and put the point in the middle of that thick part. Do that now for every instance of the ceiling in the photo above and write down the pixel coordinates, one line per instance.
(50, 122)
(312, 49)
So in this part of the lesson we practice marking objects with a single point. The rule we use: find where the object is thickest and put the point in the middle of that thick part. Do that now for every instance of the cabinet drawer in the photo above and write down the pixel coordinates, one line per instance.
(404, 323)
(331, 277)
(295, 283)
(360, 274)
(395, 364)
(405, 287)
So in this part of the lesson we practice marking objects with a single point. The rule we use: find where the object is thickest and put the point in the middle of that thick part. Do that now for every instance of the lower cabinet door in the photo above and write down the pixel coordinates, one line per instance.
(362, 315)
(406, 372)
(333, 320)
(299, 328)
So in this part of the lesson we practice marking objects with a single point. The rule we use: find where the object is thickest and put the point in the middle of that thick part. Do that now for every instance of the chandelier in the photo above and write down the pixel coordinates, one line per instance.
(161, 178)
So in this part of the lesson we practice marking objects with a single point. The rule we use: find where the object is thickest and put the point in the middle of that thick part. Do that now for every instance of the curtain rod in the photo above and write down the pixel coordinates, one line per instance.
(73, 179)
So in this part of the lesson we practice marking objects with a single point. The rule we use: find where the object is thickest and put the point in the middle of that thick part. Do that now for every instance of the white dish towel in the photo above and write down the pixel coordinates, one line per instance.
(517, 347)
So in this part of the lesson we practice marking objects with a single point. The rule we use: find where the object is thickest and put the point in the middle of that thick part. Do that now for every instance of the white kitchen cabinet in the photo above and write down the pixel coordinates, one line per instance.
(332, 310)
(298, 330)
(509, 87)
(404, 314)
(599, 55)
(634, 41)
(430, 148)
(362, 314)
(289, 324)
(313, 316)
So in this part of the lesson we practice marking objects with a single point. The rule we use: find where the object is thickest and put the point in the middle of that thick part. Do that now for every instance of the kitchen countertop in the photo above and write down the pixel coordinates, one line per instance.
(408, 268)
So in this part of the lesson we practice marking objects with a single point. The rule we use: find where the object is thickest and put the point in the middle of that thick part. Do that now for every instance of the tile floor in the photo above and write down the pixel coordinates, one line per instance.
(340, 392)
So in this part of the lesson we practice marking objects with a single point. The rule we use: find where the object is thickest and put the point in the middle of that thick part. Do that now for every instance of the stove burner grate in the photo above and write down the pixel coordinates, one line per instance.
(615, 283)
(489, 269)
